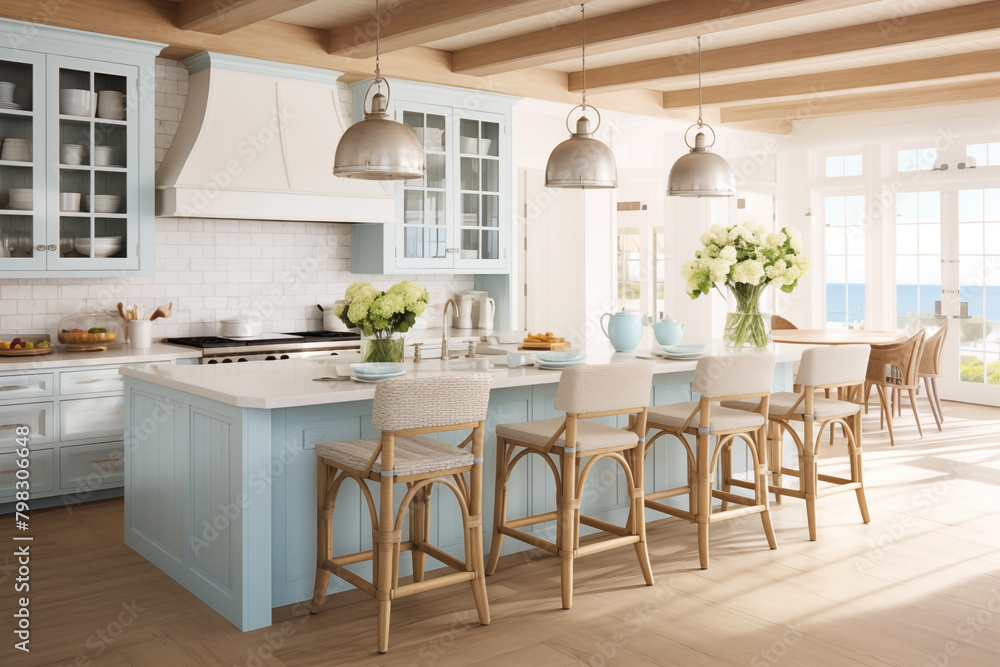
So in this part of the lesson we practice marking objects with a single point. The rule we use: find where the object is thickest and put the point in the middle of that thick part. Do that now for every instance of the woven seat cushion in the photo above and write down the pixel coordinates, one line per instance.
(782, 402)
(415, 455)
(589, 434)
(722, 418)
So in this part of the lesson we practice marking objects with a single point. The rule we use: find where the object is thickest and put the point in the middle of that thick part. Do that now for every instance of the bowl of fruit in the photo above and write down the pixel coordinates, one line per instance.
(87, 331)
(25, 347)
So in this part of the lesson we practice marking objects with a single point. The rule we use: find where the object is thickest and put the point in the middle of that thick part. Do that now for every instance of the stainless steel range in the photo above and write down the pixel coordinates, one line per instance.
(271, 347)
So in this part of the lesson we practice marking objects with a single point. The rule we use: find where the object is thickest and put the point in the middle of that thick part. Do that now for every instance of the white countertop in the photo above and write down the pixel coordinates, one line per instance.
(121, 354)
(290, 383)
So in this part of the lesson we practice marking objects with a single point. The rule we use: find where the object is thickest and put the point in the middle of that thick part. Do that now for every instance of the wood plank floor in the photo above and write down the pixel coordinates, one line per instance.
(918, 586)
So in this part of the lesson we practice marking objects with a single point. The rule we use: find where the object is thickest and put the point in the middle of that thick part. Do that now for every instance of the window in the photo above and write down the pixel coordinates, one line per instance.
(629, 269)
(844, 218)
(979, 284)
(918, 259)
(843, 165)
(983, 155)
(660, 270)
(916, 159)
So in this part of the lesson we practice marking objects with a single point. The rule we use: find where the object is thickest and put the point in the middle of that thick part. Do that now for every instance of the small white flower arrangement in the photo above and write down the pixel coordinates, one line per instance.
(746, 258)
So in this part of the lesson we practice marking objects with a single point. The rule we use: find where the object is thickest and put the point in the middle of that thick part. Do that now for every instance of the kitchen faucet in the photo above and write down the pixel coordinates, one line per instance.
(444, 326)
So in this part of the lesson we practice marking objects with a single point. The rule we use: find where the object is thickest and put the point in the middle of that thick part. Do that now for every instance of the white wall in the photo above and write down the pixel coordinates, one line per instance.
(562, 225)
(213, 268)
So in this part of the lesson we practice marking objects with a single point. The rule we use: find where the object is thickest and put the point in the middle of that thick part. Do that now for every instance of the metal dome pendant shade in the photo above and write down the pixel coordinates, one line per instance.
(582, 161)
(701, 173)
(379, 148)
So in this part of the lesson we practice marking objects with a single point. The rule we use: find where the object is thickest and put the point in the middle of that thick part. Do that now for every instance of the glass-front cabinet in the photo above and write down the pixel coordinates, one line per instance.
(457, 217)
(76, 158)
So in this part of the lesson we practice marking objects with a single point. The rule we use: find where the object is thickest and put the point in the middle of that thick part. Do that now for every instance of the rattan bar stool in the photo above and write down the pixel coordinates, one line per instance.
(584, 392)
(718, 378)
(405, 411)
(840, 367)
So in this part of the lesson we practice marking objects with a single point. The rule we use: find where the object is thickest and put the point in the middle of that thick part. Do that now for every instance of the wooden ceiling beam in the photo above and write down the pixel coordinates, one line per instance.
(784, 116)
(914, 71)
(406, 24)
(218, 17)
(910, 29)
(650, 24)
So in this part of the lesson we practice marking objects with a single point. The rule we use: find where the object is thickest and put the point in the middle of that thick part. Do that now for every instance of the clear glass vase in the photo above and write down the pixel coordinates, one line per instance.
(747, 326)
(380, 349)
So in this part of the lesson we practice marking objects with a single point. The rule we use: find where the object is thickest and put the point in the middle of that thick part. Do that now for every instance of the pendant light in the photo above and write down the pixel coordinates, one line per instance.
(379, 148)
(582, 161)
(701, 173)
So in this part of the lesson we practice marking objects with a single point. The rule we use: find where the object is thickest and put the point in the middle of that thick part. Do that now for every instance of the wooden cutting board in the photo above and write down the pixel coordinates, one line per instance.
(559, 344)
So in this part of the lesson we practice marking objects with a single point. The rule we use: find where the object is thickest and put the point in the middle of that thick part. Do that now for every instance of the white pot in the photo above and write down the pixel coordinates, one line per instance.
(240, 327)
(330, 321)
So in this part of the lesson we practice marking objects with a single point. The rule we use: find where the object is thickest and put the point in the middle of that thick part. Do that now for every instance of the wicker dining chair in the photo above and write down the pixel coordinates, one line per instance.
(895, 367)
(931, 369)
(716, 379)
(576, 443)
(406, 410)
(842, 368)
(778, 323)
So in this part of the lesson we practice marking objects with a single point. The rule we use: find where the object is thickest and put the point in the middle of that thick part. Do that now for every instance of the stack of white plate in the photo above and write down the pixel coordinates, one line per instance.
(16, 150)
(7, 95)
(105, 203)
(107, 156)
(556, 360)
(373, 372)
(21, 199)
(682, 352)
(104, 246)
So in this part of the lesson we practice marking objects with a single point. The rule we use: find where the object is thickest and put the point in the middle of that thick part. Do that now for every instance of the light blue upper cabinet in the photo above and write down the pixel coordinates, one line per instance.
(77, 159)
(457, 218)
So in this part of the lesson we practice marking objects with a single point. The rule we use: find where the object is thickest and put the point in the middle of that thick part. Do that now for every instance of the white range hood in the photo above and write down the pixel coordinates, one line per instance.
(257, 142)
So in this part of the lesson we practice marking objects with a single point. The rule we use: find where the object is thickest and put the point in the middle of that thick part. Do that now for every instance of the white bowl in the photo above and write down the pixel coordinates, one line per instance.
(72, 154)
(104, 156)
(21, 199)
(468, 145)
(106, 203)
(69, 201)
(75, 102)
(83, 246)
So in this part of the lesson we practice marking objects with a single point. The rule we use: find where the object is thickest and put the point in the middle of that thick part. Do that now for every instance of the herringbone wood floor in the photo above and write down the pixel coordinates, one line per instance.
(918, 586)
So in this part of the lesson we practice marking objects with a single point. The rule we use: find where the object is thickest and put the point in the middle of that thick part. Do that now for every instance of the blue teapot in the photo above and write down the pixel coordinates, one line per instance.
(624, 329)
(668, 332)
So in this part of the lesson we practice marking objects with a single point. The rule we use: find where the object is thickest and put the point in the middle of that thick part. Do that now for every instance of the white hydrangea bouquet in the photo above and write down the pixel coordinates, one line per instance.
(746, 258)
(381, 316)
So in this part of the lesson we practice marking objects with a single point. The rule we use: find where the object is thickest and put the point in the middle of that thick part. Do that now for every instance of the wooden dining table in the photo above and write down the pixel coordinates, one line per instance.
(836, 336)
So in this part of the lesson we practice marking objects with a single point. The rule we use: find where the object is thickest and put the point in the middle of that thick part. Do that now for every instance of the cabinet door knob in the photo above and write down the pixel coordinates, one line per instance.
(451, 250)
(52, 246)
(40, 246)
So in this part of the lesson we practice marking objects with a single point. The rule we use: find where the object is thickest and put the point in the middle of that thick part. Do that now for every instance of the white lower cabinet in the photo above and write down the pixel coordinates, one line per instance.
(91, 417)
(75, 423)
(42, 480)
(84, 468)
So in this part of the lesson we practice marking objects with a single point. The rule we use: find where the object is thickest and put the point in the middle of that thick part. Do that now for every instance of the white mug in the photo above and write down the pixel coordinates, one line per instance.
(110, 104)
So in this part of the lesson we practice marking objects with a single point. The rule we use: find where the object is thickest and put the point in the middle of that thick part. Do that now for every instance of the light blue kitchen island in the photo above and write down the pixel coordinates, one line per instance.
(220, 470)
